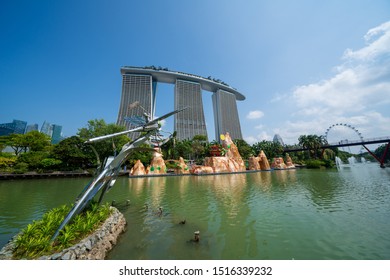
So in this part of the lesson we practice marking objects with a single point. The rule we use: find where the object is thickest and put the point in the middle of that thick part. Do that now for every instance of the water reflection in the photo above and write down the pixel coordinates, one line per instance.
(301, 214)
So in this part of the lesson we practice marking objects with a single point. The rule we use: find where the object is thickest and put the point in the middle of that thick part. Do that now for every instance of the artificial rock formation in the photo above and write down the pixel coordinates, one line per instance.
(138, 169)
(181, 167)
(230, 162)
(264, 164)
(278, 163)
(200, 169)
(157, 165)
(259, 163)
(289, 162)
(232, 153)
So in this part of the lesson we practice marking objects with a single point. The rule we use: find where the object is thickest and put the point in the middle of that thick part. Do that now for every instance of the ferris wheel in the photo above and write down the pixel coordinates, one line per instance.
(344, 133)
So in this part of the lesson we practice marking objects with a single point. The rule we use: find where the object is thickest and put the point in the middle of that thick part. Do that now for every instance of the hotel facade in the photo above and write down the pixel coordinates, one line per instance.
(140, 85)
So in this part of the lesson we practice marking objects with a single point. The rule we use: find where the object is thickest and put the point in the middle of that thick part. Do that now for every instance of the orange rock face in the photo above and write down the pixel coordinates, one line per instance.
(264, 164)
(289, 162)
(230, 162)
(182, 167)
(278, 163)
(259, 163)
(199, 169)
(138, 169)
(232, 153)
(254, 163)
(157, 165)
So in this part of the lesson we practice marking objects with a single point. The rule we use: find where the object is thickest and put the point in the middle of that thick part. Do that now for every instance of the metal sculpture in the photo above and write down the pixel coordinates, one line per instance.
(106, 178)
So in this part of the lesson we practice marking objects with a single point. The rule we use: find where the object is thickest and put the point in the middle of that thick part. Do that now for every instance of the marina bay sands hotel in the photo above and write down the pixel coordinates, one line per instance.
(139, 84)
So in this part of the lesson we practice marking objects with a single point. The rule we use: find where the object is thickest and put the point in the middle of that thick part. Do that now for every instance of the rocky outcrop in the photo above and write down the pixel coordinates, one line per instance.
(94, 247)
(264, 164)
(157, 165)
(138, 169)
(254, 163)
(230, 162)
(289, 162)
(259, 163)
(199, 169)
(278, 163)
(232, 153)
(181, 167)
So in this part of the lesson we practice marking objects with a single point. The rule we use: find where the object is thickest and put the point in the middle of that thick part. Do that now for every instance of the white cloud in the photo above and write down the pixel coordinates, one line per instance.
(358, 93)
(258, 138)
(252, 115)
(378, 42)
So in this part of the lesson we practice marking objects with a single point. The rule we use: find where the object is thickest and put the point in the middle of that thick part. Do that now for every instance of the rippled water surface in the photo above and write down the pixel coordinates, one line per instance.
(296, 214)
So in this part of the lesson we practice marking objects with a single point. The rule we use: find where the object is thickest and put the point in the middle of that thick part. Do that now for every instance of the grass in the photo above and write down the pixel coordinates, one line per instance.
(35, 239)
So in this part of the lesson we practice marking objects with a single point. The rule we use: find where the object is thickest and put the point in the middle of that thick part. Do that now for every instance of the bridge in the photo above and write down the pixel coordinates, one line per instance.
(359, 142)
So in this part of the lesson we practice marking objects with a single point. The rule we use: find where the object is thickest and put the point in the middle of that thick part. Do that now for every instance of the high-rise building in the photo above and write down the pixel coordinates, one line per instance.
(140, 89)
(189, 122)
(226, 114)
(17, 127)
(56, 136)
(32, 127)
(278, 139)
(46, 128)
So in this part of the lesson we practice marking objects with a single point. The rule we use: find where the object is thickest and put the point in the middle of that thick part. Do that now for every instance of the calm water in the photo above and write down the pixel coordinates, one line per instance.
(296, 214)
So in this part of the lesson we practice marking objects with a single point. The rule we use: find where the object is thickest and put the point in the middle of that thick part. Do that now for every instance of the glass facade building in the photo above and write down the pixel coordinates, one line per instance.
(139, 86)
(226, 115)
(56, 136)
(17, 127)
(140, 89)
(191, 121)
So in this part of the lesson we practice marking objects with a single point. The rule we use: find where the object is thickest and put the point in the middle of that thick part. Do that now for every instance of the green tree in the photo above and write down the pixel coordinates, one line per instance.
(107, 147)
(270, 148)
(16, 142)
(381, 150)
(198, 146)
(73, 153)
(244, 148)
(37, 141)
(183, 149)
(312, 143)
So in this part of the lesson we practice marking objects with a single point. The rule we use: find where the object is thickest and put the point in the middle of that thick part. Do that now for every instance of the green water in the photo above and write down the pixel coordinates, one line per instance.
(296, 214)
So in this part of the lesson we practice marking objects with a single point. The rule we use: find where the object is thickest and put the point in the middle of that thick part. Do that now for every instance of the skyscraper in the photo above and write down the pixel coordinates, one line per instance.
(46, 128)
(17, 127)
(226, 114)
(139, 88)
(32, 127)
(189, 122)
(56, 136)
(136, 88)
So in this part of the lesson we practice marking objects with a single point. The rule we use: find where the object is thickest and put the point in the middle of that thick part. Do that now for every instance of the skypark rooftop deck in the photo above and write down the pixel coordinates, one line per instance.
(164, 75)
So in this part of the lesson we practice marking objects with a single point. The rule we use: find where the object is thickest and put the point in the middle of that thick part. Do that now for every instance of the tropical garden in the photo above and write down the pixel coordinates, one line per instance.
(33, 151)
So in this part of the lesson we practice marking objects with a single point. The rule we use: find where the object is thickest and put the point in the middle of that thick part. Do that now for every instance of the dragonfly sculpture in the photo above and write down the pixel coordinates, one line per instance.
(103, 181)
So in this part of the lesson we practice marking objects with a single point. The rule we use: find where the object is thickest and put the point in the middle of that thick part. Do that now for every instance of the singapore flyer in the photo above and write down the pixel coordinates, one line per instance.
(343, 133)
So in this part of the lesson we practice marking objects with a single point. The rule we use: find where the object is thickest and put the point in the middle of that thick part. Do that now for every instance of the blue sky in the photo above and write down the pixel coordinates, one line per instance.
(302, 65)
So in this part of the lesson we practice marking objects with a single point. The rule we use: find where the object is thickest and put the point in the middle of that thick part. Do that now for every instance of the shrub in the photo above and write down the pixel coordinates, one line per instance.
(20, 168)
(314, 164)
(35, 240)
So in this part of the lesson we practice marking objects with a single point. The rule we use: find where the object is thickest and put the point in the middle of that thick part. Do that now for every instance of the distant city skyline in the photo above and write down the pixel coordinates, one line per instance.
(302, 65)
(54, 131)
